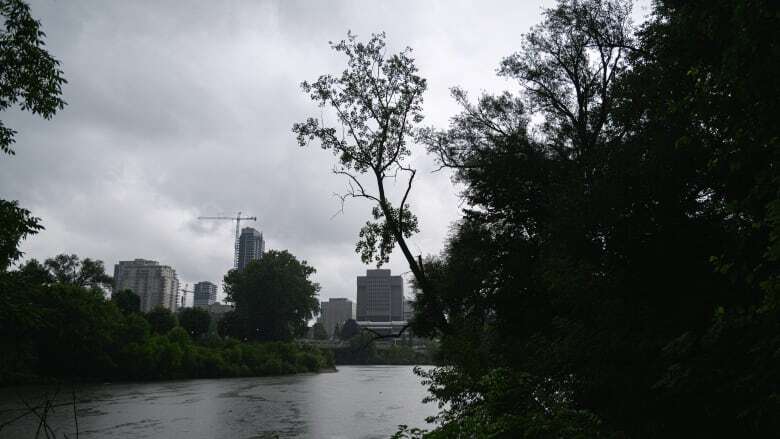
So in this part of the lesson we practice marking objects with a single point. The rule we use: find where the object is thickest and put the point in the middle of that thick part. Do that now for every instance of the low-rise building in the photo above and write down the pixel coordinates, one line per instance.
(334, 312)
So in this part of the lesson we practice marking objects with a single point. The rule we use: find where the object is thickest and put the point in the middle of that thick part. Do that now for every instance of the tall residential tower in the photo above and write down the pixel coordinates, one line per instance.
(251, 246)
(156, 285)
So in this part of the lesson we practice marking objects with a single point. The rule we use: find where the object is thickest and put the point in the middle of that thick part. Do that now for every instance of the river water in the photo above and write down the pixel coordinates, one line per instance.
(355, 402)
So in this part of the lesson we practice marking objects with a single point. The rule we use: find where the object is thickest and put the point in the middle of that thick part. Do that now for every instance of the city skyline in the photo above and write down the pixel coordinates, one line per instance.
(148, 142)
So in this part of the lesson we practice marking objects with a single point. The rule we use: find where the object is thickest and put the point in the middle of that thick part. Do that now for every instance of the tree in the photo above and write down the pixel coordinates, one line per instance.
(127, 301)
(378, 102)
(232, 325)
(349, 330)
(161, 320)
(274, 296)
(16, 224)
(76, 333)
(195, 321)
(69, 269)
(615, 255)
(31, 77)
(319, 331)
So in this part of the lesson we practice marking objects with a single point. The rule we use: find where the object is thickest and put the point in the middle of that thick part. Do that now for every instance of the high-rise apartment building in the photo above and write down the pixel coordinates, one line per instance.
(251, 246)
(204, 294)
(336, 312)
(156, 285)
(380, 297)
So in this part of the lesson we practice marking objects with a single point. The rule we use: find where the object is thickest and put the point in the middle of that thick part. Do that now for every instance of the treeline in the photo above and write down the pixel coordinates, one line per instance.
(616, 270)
(57, 324)
(363, 348)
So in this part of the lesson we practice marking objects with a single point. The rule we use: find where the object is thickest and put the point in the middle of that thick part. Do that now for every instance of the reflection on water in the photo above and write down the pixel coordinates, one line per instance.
(356, 402)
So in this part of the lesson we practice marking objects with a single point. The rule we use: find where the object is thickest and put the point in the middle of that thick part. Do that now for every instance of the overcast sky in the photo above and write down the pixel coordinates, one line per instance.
(175, 112)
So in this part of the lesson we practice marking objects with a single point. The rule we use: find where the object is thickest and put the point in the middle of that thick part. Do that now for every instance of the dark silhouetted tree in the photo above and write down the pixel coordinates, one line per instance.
(15, 225)
(195, 321)
(349, 330)
(615, 267)
(70, 269)
(161, 320)
(319, 332)
(31, 77)
(274, 296)
(377, 102)
(127, 301)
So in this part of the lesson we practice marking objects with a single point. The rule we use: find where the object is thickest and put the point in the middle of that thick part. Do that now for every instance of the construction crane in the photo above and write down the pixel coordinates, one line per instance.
(184, 292)
(238, 218)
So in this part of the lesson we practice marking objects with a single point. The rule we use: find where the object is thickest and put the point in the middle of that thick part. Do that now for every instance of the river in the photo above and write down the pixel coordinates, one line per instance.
(355, 402)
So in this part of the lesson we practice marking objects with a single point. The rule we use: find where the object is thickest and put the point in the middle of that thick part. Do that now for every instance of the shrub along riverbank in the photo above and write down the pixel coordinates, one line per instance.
(71, 332)
(362, 350)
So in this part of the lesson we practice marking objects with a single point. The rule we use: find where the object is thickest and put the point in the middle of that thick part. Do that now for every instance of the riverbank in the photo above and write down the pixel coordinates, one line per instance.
(176, 356)
(62, 332)
(395, 355)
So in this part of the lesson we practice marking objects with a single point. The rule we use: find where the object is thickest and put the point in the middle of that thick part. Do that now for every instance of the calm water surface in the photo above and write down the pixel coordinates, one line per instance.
(355, 402)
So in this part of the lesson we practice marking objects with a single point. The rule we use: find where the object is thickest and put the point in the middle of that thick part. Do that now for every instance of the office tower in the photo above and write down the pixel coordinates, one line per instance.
(380, 297)
(204, 294)
(336, 312)
(251, 246)
(156, 285)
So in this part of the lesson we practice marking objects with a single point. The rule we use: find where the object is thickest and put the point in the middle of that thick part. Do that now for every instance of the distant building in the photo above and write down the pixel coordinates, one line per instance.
(380, 297)
(156, 285)
(251, 246)
(204, 294)
(336, 312)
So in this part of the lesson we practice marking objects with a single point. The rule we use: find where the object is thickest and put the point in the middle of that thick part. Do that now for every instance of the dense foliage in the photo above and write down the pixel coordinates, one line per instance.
(363, 349)
(30, 76)
(274, 298)
(616, 272)
(319, 332)
(59, 330)
(196, 321)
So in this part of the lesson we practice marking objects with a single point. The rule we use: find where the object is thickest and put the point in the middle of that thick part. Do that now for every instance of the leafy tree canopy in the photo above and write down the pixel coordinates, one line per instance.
(195, 321)
(69, 269)
(161, 320)
(16, 224)
(274, 297)
(31, 77)
(127, 301)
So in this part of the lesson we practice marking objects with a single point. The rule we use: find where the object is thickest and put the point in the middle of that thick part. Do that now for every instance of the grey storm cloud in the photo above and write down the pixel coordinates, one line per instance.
(181, 109)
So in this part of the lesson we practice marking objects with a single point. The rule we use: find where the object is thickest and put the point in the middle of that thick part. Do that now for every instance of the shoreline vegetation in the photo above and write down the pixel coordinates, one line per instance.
(56, 324)
(98, 343)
